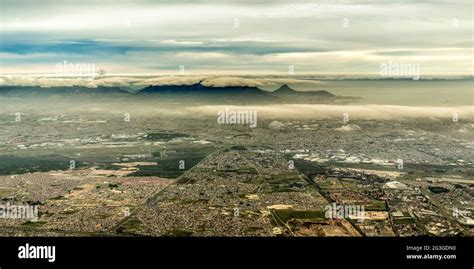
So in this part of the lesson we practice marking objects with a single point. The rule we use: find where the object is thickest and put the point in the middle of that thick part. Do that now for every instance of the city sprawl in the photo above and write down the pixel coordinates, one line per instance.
(91, 172)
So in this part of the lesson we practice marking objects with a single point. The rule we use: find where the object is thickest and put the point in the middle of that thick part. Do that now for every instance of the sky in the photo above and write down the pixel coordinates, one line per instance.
(236, 37)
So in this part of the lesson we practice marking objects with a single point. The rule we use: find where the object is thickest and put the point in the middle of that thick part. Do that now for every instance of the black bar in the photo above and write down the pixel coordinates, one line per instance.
(194, 250)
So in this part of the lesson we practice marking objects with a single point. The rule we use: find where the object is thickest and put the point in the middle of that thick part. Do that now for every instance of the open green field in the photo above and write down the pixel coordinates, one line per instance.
(11, 165)
(41, 160)
(169, 164)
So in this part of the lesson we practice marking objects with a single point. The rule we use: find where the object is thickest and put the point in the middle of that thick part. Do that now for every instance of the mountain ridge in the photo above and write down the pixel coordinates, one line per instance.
(194, 93)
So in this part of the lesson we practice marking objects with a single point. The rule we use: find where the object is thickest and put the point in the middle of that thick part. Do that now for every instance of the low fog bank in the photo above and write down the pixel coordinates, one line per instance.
(382, 112)
(151, 108)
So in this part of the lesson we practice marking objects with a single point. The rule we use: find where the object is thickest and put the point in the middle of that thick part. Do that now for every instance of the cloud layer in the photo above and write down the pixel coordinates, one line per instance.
(207, 37)
(210, 81)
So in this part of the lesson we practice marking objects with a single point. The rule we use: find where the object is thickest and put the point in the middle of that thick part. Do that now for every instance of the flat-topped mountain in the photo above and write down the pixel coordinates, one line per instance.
(199, 93)
(199, 88)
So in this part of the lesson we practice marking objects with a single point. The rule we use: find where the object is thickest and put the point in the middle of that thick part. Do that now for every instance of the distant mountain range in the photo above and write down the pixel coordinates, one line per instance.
(187, 93)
